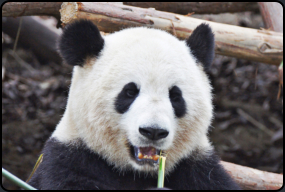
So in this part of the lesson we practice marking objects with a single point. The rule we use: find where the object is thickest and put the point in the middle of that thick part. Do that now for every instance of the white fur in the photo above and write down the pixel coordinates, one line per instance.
(155, 61)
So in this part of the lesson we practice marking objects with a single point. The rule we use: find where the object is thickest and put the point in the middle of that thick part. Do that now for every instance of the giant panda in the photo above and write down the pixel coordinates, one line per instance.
(133, 94)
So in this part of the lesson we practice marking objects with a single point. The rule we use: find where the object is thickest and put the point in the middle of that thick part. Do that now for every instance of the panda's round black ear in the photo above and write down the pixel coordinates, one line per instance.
(202, 45)
(80, 39)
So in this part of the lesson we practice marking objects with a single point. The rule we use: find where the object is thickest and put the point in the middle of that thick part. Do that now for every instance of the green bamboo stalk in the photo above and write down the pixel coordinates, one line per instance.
(16, 180)
(160, 180)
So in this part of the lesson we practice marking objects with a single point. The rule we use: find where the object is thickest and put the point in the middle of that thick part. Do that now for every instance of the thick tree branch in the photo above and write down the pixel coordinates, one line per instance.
(198, 7)
(249, 178)
(245, 43)
(16, 9)
(256, 45)
(272, 14)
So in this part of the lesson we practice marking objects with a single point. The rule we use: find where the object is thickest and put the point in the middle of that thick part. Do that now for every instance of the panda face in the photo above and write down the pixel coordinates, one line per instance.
(144, 92)
(153, 116)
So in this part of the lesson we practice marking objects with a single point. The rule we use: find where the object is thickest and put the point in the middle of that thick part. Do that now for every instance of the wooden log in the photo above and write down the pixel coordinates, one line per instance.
(238, 43)
(33, 35)
(16, 9)
(245, 43)
(272, 14)
(198, 7)
(249, 178)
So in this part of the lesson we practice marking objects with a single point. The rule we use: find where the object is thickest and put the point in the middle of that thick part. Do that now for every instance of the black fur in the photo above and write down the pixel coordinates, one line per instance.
(177, 101)
(126, 97)
(80, 39)
(202, 45)
(76, 167)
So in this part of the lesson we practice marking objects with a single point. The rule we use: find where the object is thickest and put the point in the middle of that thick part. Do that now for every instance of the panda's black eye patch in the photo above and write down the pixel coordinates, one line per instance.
(177, 101)
(175, 94)
(131, 93)
(126, 97)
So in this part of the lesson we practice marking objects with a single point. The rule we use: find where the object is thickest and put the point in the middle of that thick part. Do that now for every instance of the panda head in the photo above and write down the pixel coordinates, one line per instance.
(136, 92)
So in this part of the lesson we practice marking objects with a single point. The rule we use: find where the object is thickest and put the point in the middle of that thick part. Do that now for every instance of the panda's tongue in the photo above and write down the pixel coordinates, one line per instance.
(149, 151)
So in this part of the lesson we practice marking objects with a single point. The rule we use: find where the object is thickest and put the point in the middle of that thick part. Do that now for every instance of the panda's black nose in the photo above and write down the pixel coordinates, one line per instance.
(153, 133)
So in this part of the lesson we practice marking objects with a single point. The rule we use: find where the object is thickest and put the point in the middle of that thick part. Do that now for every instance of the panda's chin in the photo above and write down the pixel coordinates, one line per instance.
(145, 155)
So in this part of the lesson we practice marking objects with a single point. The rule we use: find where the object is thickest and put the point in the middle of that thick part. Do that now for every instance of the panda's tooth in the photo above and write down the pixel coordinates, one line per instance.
(155, 157)
(140, 155)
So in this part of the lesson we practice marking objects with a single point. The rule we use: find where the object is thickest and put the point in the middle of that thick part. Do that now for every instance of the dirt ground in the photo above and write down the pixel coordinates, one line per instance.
(34, 97)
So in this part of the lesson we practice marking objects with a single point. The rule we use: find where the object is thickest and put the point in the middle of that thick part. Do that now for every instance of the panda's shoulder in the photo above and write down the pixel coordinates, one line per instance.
(65, 163)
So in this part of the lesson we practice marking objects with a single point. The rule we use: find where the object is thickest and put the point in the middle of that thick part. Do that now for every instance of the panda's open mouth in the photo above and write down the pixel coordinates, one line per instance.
(143, 155)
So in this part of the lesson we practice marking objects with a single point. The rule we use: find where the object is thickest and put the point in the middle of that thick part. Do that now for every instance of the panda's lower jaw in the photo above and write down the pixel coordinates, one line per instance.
(145, 155)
